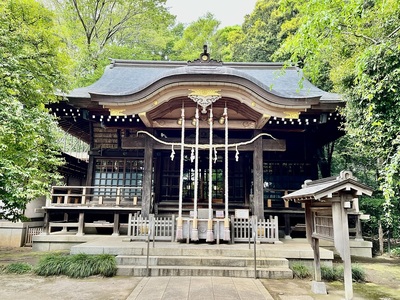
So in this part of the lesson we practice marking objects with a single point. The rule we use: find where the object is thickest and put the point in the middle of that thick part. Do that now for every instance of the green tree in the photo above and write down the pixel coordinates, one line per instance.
(30, 72)
(355, 46)
(262, 32)
(96, 30)
(372, 114)
(197, 34)
(223, 42)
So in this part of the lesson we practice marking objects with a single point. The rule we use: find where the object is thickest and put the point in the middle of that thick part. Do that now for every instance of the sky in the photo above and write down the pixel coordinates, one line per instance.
(228, 12)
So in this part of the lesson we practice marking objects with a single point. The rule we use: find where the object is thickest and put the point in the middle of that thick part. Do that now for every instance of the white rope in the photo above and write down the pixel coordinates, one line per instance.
(181, 165)
(205, 146)
(210, 234)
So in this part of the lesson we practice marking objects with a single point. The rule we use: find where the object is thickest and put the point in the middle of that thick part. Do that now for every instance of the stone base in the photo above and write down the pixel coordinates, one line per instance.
(358, 248)
(13, 234)
(318, 287)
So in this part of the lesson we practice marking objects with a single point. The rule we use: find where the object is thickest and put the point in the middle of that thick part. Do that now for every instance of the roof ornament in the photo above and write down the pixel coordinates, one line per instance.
(205, 58)
(204, 97)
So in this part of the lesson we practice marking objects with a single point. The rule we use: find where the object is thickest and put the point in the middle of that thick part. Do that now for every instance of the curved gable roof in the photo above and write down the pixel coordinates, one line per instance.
(126, 78)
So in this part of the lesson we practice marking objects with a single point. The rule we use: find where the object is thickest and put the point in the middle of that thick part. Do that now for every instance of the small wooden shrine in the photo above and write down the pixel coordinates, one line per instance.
(328, 203)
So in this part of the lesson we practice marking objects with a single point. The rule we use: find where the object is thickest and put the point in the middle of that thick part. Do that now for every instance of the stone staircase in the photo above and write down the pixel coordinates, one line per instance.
(201, 262)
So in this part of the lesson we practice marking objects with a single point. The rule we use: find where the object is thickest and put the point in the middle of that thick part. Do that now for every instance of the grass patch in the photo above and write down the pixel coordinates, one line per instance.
(300, 271)
(77, 266)
(336, 273)
(331, 273)
(52, 265)
(18, 268)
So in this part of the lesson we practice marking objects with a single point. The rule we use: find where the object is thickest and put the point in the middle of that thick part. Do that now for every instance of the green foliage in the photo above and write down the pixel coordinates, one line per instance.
(96, 30)
(262, 33)
(358, 273)
(352, 47)
(395, 252)
(224, 42)
(77, 266)
(18, 268)
(31, 64)
(335, 273)
(300, 270)
(52, 265)
(372, 117)
(330, 273)
(196, 35)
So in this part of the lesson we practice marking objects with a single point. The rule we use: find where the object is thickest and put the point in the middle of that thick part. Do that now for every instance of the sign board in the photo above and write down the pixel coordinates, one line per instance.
(219, 214)
(242, 213)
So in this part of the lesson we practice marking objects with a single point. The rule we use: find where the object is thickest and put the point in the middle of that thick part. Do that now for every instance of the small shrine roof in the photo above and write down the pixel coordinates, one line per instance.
(324, 188)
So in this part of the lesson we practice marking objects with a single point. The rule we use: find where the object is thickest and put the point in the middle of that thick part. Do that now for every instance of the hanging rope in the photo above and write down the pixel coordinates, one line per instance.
(210, 234)
(195, 231)
(227, 234)
(206, 146)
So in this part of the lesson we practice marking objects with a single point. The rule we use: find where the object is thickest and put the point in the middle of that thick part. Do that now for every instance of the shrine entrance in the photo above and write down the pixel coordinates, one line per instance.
(239, 177)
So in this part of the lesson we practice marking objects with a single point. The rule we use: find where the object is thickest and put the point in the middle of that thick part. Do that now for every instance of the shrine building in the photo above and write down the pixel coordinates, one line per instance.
(198, 139)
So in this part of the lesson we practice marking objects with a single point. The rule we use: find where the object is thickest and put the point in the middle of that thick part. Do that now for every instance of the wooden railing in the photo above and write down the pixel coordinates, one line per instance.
(94, 195)
(267, 230)
(30, 232)
(162, 228)
(155, 228)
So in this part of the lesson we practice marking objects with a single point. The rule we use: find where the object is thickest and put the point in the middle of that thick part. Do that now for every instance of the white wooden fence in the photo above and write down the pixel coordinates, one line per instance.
(163, 228)
(155, 228)
(267, 230)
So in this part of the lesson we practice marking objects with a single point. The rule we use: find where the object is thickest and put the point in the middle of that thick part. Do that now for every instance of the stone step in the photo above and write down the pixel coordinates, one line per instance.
(140, 271)
(204, 251)
(201, 261)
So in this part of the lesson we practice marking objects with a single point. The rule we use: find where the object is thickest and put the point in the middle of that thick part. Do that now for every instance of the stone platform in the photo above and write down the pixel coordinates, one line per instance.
(193, 259)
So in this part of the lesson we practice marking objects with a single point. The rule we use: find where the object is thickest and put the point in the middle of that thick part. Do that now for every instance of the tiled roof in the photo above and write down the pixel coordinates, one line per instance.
(318, 189)
(124, 77)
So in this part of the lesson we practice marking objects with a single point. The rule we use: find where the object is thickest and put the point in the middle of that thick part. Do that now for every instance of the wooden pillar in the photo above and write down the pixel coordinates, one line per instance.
(287, 226)
(89, 174)
(81, 223)
(317, 261)
(308, 220)
(89, 179)
(359, 236)
(65, 221)
(348, 280)
(341, 240)
(147, 174)
(116, 224)
(46, 223)
(258, 196)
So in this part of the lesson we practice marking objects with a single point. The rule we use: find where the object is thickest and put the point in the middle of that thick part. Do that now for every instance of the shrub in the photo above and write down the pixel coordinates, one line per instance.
(105, 265)
(80, 266)
(77, 266)
(395, 252)
(336, 273)
(18, 268)
(300, 271)
(330, 273)
(51, 265)
(358, 273)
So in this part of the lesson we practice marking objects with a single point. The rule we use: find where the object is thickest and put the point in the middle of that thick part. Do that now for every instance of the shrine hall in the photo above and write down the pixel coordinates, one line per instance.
(199, 140)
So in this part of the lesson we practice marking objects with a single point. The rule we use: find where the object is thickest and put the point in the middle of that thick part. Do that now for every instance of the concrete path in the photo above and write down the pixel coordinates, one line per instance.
(199, 288)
